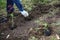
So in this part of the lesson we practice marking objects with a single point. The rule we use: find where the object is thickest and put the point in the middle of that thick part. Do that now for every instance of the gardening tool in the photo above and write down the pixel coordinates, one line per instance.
(12, 24)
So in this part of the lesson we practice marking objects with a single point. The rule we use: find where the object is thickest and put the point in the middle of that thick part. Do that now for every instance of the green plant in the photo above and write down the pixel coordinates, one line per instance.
(45, 25)
(29, 4)
(53, 38)
(2, 3)
(33, 38)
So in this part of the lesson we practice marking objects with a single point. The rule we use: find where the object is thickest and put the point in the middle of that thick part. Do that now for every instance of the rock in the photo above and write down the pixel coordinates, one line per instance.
(7, 36)
(47, 32)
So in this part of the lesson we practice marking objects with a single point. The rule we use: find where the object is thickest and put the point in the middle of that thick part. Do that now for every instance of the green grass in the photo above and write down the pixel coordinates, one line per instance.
(2, 4)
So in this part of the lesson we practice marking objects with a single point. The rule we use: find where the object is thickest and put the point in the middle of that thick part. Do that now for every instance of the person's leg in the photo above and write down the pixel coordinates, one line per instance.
(10, 8)
(20, 7)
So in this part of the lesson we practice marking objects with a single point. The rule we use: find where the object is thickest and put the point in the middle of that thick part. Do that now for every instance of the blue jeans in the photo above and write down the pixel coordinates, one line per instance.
(10, 4)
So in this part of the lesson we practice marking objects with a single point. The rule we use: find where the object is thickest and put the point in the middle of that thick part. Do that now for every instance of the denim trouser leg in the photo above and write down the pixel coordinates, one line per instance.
(10, 4)
(18, 4)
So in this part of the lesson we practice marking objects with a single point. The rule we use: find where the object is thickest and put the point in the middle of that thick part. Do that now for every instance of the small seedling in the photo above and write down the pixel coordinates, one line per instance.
(12, 25)
(45, 26)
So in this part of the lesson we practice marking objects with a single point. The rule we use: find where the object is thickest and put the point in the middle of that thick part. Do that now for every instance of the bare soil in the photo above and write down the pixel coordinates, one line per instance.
(41, 13)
